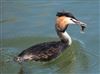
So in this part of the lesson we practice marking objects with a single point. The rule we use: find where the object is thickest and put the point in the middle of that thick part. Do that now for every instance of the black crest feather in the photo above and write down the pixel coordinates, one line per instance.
(67, 14)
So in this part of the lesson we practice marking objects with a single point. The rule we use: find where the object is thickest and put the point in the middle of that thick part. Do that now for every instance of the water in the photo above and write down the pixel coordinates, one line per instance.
(25, 23)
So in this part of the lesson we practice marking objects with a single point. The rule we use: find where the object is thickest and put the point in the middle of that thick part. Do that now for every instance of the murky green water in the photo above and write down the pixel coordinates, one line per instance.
(25, 23)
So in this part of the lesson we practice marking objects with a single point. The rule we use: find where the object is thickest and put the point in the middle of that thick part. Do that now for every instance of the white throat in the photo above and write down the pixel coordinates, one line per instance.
(65, 37)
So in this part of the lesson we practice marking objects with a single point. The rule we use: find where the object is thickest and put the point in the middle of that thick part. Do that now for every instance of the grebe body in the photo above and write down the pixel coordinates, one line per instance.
(42, 52)
(49, 50)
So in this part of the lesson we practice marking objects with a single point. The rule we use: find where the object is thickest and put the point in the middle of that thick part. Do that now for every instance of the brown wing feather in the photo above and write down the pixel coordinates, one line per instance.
(43, 52)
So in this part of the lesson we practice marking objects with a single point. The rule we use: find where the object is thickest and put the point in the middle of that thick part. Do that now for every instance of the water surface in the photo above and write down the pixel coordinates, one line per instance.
(25, 23)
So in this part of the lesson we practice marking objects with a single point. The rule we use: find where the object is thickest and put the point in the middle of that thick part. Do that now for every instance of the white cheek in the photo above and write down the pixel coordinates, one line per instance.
(69, 21)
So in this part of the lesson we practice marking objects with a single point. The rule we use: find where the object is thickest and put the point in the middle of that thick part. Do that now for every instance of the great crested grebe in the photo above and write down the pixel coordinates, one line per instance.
(49, 50)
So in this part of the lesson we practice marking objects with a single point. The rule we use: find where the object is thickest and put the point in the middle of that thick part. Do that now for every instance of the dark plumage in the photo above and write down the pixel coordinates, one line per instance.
(44, 51)
(67, 14)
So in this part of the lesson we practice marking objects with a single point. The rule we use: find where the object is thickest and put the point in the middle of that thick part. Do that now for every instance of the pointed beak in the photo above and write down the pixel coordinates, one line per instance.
(81, 24)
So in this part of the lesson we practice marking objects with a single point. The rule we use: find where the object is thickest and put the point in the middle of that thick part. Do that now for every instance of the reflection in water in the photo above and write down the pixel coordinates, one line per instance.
(9, 20)
(21, 71)
(73, 60)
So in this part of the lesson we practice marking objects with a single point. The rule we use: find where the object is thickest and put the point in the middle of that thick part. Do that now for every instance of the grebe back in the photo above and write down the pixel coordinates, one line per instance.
(49, 50)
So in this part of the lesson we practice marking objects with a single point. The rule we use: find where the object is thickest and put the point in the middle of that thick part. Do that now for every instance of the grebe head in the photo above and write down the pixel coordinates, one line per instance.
(66, 18)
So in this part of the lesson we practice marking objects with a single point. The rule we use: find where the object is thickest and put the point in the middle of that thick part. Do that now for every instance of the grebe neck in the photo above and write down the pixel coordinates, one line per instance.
(64, 36)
